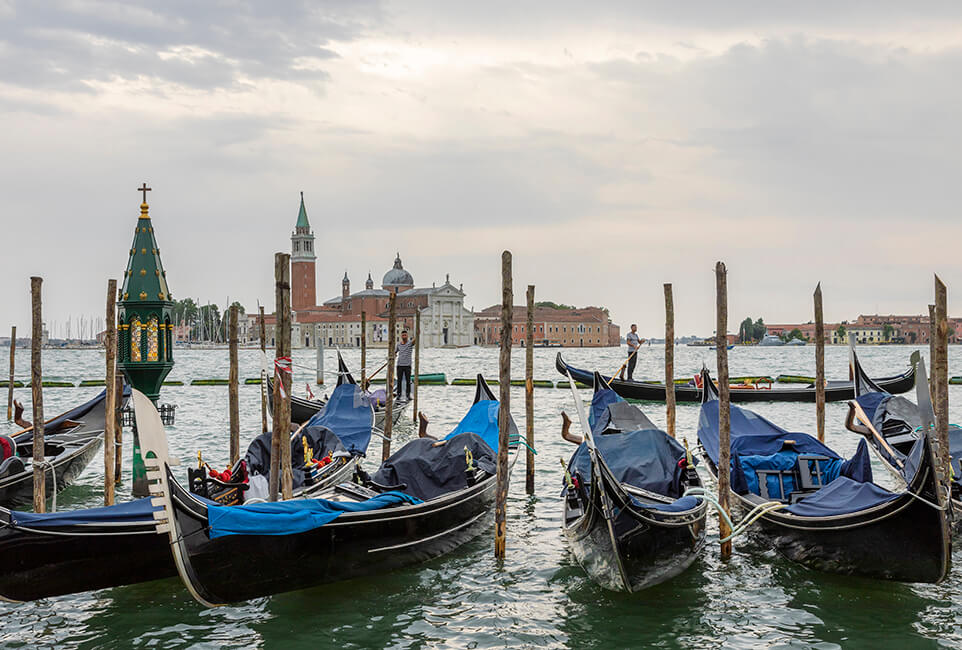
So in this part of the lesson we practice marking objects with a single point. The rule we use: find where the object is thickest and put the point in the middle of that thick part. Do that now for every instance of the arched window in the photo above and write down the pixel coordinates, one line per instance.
(135, 342)
(153, 351)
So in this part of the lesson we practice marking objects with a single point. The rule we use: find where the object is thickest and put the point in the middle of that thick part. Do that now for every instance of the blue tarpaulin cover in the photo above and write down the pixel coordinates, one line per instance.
(841, 496)
(482, 420)
(678, 505)
(600, 402)
(290, 517)
(130, 512)
(348, 414)
(428, 471)
(645, 459)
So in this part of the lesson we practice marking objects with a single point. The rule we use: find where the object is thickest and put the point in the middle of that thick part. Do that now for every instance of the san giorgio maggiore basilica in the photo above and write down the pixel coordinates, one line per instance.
(337, 322)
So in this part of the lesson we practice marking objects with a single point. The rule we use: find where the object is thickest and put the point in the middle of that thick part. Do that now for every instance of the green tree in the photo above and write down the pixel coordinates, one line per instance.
(794, 334)
(745, 331)
(887, 331)
(759, 330)
(840, 333)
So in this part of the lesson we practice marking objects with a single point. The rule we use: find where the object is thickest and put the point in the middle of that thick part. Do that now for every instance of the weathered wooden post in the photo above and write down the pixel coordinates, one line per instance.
(36, 385)
(504, 408)
(389, 385)
(724, 414)
(669, 360)
(263, 334)
(13, 361)
(941, 375)
(933, 355)
(110, 386)
(417, 361)
(819, 365)
(363, 350)
(319, 343)
(233, 382)
(280, 472)
(529, 393)
(118, 429)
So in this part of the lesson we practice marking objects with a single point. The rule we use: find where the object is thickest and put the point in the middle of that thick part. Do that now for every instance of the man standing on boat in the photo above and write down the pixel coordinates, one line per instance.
(404, 350)
(634, 342)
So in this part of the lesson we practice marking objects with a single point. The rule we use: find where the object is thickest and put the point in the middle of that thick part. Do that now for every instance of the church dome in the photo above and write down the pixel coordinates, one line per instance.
(397, 276)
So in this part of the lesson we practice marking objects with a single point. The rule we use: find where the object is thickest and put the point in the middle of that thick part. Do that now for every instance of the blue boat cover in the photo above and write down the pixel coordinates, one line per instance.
(955, 451)
(859, 466)
(870, 403)
(348, 414)
(482, 420)
(841, 496)
(290, 517)
(678, 505)
(645, 459)
(600, 402)
(428, 471)
(129, 512)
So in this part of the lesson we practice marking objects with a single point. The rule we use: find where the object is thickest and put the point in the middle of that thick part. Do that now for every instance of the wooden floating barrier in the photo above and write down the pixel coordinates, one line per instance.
(85, 383)
(253, 380)
(5, 383)
(173, 382)
(955, 380)
(209, 382)
(431, 379)
(794, 379)
(46, 383)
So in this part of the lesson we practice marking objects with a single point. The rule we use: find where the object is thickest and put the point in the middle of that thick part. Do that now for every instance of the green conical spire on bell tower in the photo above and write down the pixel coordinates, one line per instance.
(145, 312)
(302, 218)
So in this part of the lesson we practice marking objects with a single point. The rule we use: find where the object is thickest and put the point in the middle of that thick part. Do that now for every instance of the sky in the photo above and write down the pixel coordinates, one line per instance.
(611, 146)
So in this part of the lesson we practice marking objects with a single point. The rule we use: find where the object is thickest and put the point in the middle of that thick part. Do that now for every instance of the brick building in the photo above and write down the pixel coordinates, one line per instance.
(588, 327)
(870, 328)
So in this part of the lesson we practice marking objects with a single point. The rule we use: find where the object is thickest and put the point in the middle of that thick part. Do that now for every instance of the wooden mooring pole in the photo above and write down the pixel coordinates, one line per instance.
(940, 371)
(819, 365)
(417, 362)
(724, 414)
(263, 336)
(933, 356)
(36, 385)
(504, 408)
(13, 362)
(118, 427)
(280, 472)
(363, 350)
(232, 388)
(389, 382)
(110, 386)
(669, 360)
(529, 394)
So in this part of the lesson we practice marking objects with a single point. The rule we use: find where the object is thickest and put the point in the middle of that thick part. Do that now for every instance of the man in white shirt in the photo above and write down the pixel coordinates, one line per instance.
(634, 342)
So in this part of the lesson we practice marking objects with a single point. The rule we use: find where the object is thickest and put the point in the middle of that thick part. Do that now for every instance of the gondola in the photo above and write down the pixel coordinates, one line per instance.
(691, 392)
(303, 410)
(67, 552)
(626, 516)
(892, 424)
(827, 514)
(71, 440)
(427, 499)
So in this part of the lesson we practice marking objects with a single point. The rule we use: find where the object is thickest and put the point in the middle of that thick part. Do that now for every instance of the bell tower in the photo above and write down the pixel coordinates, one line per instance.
(303, 292)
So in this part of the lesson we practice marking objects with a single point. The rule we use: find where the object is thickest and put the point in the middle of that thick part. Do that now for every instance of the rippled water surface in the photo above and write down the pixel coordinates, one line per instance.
(539, 596)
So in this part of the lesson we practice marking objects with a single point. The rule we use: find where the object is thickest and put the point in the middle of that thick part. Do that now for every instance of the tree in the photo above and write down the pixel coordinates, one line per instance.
(840, 333)
(794, 334)
(745, 331)
(887, 331)
(240, 308)
(759, 330)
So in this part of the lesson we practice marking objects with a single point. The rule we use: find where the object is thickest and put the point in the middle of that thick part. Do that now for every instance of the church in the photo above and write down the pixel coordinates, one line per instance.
(337, 322)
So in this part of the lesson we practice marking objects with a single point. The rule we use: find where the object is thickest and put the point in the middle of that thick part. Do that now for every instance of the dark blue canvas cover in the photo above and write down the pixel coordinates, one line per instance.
(645, 459)
(841, 496)
(348, 414)
(428, 471)
(291, 517)
(482, 420)
(129, 512)
(321, 441)
(600, 401)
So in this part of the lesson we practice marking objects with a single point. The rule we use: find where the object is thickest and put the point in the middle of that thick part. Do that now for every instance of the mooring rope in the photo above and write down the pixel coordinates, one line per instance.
(53, 472)
(757, 512)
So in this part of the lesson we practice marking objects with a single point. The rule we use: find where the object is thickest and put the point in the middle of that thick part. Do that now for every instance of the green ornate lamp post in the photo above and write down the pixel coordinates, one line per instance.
(144, 314)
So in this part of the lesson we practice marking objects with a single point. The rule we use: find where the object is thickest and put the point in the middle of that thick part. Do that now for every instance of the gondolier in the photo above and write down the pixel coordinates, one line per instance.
(634, 342)
(404, 350)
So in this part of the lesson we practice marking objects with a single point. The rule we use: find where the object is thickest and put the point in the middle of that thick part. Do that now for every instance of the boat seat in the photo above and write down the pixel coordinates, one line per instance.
(781, 475)
(902, 439)
(12, 466)
(8, 447)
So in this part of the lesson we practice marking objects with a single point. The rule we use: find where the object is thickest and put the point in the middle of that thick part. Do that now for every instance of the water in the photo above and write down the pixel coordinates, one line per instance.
(539, 596)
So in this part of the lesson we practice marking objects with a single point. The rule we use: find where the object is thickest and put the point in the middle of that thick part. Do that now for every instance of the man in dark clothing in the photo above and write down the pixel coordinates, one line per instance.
(634, 342)
(404, 350)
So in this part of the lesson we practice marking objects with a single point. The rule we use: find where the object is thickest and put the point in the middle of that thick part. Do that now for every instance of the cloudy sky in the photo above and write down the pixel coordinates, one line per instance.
(611, 146)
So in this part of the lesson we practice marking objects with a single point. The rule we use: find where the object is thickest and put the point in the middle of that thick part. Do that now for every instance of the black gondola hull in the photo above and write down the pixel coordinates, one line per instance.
(354, 545)
(834, 392)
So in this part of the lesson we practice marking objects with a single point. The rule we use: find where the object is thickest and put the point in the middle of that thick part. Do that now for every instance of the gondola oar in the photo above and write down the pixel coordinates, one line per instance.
(864, 419)
(606, 508)
(621, 367)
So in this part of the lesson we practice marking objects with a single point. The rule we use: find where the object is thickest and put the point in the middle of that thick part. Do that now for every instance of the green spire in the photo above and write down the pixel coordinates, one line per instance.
(302, 215)
(145, 278)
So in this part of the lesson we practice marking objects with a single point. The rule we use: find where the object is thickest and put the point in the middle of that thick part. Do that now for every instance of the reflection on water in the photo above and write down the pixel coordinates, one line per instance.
(539, 596)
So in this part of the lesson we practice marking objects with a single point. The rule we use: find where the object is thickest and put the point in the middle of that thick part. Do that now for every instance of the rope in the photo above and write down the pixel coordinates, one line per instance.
(282, 364)
(757, 512)
(516, 438)
(53, 472)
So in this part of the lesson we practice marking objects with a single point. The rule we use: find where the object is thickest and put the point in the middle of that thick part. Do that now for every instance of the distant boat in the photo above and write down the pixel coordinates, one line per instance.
(796, 342)
(715, 347)
(771, 340)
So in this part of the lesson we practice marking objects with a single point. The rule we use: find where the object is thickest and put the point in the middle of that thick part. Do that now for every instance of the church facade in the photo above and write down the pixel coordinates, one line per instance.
(337, 322)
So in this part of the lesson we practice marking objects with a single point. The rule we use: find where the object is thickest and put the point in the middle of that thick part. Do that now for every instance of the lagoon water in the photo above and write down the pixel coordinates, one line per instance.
(539, 597)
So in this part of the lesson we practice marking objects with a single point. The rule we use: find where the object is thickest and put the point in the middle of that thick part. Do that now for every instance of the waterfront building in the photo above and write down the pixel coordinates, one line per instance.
(586, 327)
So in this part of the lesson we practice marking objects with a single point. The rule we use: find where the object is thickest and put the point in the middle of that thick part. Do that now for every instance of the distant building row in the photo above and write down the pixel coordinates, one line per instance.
(871, 328)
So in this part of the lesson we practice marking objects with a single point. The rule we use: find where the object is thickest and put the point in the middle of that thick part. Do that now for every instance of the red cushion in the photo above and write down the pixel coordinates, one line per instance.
(8, 448)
